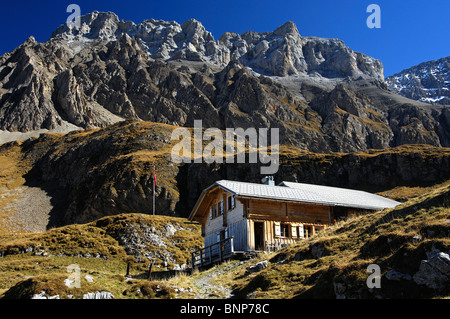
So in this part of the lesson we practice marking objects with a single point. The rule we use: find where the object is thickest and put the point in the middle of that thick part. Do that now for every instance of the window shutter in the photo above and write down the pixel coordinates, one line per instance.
(301, 232)
(294, 232)
(277, 229)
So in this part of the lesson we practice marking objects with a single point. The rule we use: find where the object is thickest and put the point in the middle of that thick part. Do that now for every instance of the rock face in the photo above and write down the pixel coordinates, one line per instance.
(110, 70)
(136, 238)
(26, 101)
(102, 172)
(427, 82)
(257, 267)
(434, 272)
(281, 52)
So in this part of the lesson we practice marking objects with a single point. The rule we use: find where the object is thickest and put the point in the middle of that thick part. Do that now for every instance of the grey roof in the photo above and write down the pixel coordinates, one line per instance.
(310, 193)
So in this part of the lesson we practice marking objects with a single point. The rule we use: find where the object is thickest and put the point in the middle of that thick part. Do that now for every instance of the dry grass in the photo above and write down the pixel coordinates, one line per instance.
(348, 246)
(403, 193)
(39, 261)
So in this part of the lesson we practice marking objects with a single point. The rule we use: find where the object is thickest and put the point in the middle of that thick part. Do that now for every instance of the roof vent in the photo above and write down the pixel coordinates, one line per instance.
(268, 180)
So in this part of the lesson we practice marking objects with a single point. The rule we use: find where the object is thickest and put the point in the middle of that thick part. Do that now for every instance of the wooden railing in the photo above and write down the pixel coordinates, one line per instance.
(211, 254)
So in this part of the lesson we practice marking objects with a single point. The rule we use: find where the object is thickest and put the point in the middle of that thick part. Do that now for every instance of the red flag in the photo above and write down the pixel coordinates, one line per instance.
(154, 175)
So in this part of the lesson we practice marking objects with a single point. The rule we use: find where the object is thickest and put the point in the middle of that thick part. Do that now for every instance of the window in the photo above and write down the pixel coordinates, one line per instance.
(308, 229)
(230, 203)
(284, 230)
(220, 207)
(216, 210)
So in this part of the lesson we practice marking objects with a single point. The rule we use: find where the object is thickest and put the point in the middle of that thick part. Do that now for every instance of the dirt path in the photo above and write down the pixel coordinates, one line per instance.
(207, 290)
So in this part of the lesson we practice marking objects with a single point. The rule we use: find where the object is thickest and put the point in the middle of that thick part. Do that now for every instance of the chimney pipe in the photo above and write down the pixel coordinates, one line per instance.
(268, 180)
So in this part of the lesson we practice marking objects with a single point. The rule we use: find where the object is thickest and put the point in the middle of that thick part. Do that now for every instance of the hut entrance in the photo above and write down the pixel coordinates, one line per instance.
(259, 235)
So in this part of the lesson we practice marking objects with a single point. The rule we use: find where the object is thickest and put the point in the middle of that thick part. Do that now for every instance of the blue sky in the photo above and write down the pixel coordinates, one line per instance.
(411, 31)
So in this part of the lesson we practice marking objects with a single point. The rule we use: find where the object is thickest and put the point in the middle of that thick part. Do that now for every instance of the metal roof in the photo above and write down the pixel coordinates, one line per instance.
(309, 193)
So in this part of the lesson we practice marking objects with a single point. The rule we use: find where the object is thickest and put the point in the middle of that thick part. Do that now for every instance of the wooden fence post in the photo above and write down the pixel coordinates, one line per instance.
(150, 271)
(210, 254)
(128, 269)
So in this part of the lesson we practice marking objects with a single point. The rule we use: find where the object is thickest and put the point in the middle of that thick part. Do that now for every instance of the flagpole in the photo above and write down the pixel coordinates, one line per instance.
(154, 179)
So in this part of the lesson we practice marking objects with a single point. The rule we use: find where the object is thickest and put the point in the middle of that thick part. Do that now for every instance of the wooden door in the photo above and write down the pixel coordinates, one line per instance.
(258, 229)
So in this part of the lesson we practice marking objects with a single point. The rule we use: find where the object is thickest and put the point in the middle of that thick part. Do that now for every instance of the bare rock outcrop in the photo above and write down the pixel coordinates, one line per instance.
(434, 272)
(427, 82)
(110, 70)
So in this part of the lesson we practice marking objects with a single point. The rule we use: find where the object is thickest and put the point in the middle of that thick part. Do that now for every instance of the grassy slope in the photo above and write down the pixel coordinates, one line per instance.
(348, 245)
(388, 238)
(38, 262)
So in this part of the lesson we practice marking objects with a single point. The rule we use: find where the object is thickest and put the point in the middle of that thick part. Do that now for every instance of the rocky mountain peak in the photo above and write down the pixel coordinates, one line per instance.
(94, 26)
(110, 70)
(30, 41)
(289, 28)
(281, 52)
(193, 28)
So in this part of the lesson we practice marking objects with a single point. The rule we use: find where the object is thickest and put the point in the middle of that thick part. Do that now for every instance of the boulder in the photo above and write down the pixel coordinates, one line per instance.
(44, 295)
(435, 271)
(397, 276)
(257, 267)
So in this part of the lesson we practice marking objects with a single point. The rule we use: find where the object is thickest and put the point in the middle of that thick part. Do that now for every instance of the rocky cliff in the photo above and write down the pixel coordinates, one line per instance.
(281, 52)
(102, 172)
(427, 82)
(323, 96)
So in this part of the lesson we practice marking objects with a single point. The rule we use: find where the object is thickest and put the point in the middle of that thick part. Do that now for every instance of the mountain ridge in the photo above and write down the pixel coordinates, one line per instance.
(427, 82)
(323, 96)
(191, 41)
